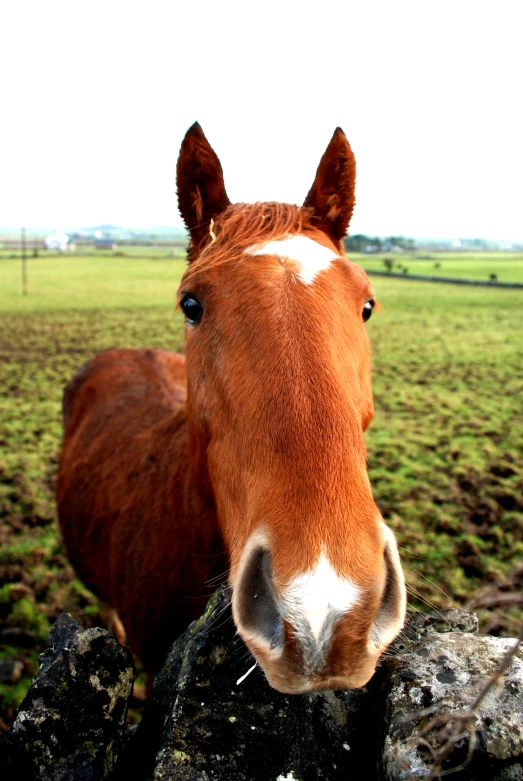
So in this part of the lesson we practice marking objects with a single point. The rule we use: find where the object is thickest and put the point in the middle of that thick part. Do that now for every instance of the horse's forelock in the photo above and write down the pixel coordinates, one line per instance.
(243, 225)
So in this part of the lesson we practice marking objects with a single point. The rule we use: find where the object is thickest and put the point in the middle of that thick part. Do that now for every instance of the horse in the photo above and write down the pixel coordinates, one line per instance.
(248, 454)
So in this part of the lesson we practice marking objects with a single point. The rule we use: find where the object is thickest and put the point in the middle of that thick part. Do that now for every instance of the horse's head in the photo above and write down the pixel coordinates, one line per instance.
(279, 395)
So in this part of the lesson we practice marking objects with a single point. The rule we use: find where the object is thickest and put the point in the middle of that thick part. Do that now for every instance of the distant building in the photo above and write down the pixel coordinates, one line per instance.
(104, 240)
(59, 241)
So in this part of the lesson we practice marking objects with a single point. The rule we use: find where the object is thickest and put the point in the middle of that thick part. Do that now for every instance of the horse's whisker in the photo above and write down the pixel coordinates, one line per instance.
(431, 583)
(415, 593)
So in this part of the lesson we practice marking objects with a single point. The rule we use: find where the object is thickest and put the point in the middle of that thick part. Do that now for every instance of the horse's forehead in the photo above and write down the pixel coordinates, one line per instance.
(309, 255)
(306, 256)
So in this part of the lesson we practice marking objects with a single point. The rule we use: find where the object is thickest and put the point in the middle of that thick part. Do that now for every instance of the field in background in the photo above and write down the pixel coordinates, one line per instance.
(151, 251)
(445, 448)
(507, 266)
(100, 279)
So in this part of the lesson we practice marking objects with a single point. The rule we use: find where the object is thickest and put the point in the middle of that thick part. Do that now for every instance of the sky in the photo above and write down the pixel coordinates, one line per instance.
(95, 99)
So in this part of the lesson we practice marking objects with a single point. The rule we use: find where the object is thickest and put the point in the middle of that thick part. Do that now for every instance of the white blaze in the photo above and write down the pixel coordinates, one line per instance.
(314, 595)
(310, 256)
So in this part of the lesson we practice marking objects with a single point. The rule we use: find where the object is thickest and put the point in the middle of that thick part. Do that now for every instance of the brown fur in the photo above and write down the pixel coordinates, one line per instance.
(163, 481)
(333, 192)
(123, 481)
(199, 168)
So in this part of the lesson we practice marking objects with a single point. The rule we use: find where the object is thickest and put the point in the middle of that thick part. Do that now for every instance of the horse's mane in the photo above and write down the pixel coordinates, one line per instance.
(244, 225)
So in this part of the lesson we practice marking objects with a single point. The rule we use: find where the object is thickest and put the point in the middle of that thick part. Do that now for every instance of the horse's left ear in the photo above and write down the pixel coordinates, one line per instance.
(201, 189)
(332, 195)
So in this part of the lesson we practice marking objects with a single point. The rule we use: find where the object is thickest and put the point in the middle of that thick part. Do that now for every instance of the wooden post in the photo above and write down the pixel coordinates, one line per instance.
(24, 264)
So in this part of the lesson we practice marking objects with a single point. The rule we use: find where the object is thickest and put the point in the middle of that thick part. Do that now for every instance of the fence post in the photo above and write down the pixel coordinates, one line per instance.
(24, 264)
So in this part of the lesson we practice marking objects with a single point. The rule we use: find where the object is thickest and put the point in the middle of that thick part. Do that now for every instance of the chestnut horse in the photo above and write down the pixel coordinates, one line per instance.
(251, 445)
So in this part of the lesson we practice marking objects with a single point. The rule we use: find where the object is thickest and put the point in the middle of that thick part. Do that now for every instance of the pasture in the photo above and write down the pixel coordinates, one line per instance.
(444, 450)
(507, 266)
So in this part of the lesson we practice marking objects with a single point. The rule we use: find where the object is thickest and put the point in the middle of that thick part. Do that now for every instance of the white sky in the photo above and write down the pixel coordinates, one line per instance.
(95, 98)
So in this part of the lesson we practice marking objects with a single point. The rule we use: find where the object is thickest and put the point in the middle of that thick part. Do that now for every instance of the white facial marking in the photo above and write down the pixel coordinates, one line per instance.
(310, 256)
(314, 595)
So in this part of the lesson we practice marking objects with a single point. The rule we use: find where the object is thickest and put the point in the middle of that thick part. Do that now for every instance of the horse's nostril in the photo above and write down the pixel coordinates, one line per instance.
(391, 613)
(257, 606)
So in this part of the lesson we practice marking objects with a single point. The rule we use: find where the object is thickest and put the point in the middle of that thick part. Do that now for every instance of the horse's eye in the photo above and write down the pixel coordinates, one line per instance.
(367, 310)
(192, 309)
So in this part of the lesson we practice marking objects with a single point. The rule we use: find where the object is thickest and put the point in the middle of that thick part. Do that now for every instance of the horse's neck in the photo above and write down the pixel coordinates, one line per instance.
(187, 483)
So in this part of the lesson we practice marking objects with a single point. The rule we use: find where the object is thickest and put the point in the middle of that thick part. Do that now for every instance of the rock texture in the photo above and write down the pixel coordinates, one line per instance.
(201, 724)
(70, 723)
(204, 722)
(418, 625)
(433, 683)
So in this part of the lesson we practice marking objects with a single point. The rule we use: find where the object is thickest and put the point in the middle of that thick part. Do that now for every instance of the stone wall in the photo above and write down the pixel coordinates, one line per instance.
(202, 723)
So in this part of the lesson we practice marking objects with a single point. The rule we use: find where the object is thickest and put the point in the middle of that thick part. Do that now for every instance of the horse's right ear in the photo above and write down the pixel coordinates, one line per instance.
(201, 190)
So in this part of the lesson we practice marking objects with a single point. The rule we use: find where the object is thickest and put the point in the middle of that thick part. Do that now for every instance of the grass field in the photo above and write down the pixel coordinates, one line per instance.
(153, 251)
(507, 266)
(101, 280)
(445, 448)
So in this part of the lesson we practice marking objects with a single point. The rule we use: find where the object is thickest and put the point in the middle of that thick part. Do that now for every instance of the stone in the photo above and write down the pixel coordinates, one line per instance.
(443, 621)
(206, 720)
(418, 624)
(440, 676)
(70, 723)
(201, 724)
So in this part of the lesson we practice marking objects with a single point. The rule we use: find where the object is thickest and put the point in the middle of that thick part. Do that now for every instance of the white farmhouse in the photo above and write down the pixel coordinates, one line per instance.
(58, 241)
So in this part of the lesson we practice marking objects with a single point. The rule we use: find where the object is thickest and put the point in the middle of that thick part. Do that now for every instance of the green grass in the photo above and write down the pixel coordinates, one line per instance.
(446, 443)
(507, 266)
(445, 447)
(101, 281)
(176, 249)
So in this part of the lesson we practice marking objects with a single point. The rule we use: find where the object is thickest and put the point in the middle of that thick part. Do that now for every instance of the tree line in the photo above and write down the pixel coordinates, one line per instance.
(360, 242)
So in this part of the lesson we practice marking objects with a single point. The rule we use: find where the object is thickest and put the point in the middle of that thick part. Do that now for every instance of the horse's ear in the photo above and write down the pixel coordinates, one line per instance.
(201, 190)
(332, 195)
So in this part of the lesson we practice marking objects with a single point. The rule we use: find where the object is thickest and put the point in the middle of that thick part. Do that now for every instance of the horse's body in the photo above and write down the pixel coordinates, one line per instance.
(258, 460)
(124, 464)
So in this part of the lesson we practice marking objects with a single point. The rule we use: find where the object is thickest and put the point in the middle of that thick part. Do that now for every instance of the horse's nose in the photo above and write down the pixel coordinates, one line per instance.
(290, 629)
(319, 629)
(258, 610)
